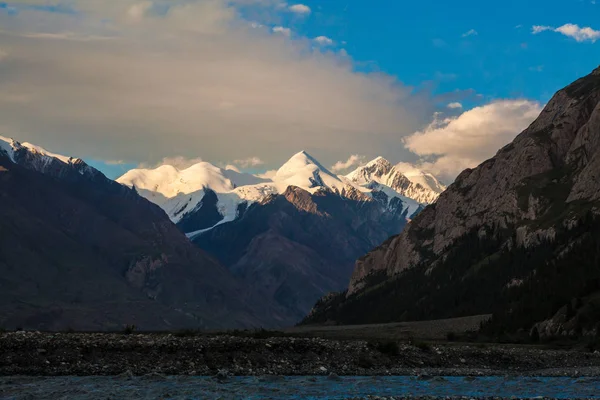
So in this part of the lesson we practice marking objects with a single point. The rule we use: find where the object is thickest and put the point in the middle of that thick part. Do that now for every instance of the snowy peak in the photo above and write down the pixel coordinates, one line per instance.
(415, 184)
(170, 181)
(420, 177)
(11, 147)
(373, 170)
(306, 172)
(181, 192)
(8, 147)
(39, 159)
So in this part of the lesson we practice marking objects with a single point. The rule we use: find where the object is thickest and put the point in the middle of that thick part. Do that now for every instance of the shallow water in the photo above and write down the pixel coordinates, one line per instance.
(313, 388)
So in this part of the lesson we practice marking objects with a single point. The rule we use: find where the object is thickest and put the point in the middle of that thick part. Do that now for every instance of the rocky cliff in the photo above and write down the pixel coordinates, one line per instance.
(531, 194)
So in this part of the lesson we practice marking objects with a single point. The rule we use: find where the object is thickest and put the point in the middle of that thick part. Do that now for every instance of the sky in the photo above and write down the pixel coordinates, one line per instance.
(248, 83)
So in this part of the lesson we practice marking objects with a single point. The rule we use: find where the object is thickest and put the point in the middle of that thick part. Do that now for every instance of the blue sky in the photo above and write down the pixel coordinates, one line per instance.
(124, 83)
(419, 41)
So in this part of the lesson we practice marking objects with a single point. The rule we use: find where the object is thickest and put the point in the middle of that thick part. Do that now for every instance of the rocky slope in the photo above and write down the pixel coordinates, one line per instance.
(525, 203)
(80, 251)
(297, 246)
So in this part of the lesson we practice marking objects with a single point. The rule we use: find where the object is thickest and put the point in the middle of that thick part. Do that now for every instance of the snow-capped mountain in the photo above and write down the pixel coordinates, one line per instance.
(402, 179)
(293, 237)
(68, 232)
(41, 160)
(305, 172)
(181, 193)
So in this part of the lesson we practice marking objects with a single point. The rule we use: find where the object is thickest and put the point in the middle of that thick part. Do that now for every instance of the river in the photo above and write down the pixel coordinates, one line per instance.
(310, 388)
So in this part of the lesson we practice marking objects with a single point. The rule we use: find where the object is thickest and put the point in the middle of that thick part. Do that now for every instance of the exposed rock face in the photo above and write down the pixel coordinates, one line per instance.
(80, 251)
(532, 191)
(503, 191)
(297, 246)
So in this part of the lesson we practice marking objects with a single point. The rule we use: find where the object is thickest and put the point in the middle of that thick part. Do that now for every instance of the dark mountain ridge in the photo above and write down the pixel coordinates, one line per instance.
(80, 251)
(297, 246)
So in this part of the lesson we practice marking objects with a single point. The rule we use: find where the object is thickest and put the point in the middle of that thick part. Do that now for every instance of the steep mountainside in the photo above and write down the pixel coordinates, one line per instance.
(81, 251)
(504, 230)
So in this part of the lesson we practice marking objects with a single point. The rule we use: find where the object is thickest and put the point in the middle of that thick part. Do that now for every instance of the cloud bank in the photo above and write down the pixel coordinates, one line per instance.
(143, 80)
(461, 142)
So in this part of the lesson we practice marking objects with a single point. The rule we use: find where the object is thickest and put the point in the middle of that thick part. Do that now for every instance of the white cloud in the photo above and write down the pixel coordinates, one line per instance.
(300, 9)
(270, 174)
(455, 105)
(471, 32)
(196, 80)
(284, 31)
(540, 28)
(472, 137)
(571, 30)
(232, 168)
(353, 160)
(249, 162)
(323, 40)
(579, 34)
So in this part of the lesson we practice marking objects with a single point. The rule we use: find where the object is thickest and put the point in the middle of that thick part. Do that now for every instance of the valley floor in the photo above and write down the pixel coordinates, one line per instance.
(186, 353)
(424, 330)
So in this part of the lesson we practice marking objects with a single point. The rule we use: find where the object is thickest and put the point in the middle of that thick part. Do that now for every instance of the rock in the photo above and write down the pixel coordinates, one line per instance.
(126, 375)
(223, 375)
(333, 377)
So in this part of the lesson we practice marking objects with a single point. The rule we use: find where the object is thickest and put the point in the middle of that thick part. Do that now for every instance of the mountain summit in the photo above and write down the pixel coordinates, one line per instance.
(304, 171)
(220, 194)
(406, 181)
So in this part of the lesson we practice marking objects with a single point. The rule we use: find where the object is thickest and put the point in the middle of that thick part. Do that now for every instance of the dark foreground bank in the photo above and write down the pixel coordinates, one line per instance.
(83, 354)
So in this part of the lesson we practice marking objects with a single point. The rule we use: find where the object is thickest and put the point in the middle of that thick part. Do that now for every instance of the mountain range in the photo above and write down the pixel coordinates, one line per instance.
(81, 251)
(84, 252)
(205, 247)
(518, 236)
(295, 236)
(180, 192)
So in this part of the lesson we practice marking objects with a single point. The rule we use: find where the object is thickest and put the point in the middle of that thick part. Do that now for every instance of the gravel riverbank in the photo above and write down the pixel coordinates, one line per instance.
(84, 354)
